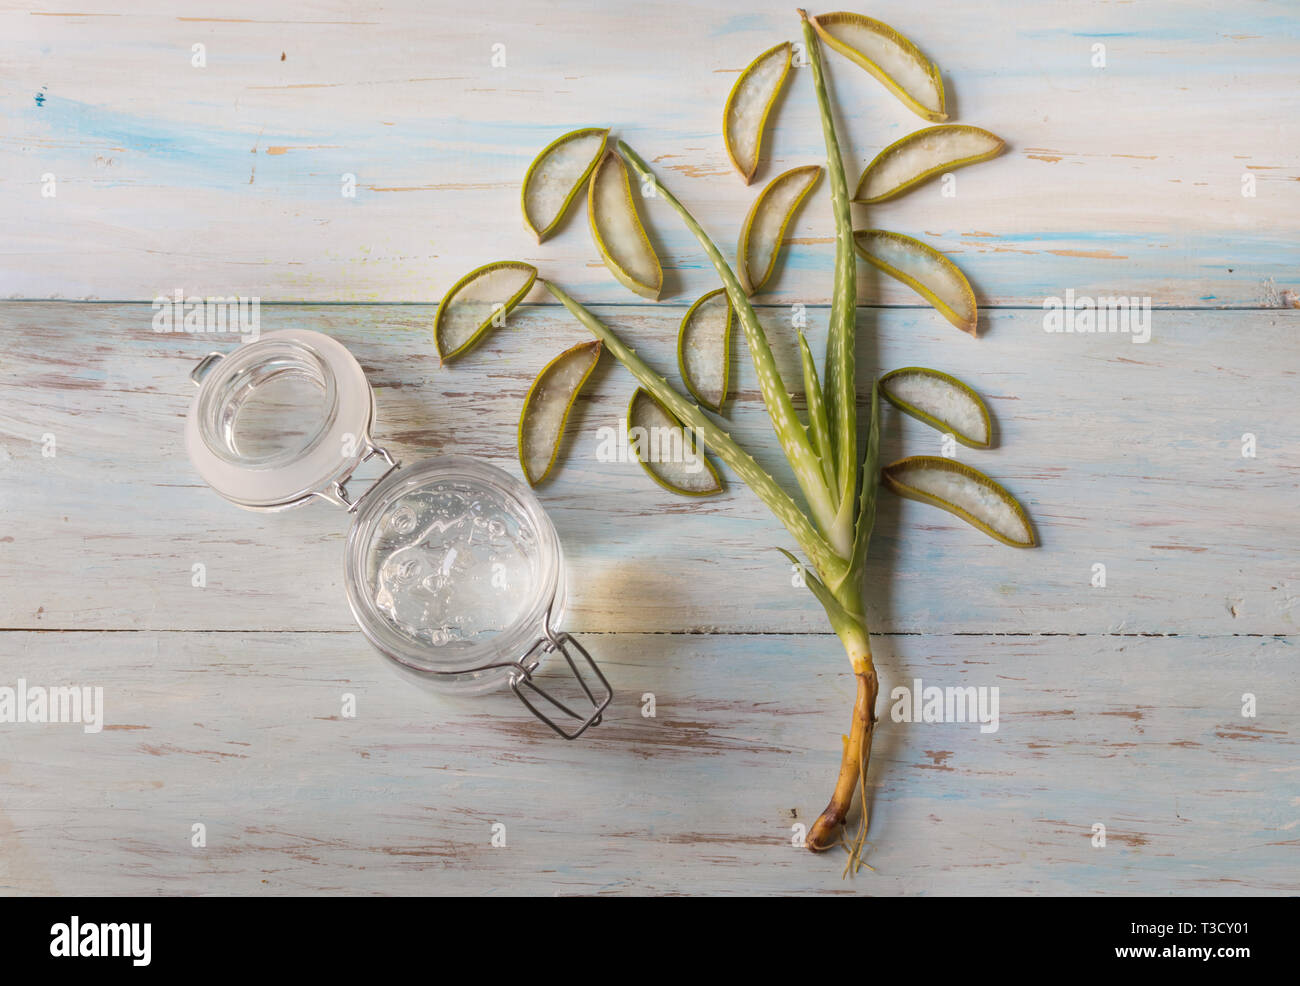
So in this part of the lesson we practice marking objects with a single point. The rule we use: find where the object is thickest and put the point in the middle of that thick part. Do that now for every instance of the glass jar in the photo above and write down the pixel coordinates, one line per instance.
(452, 567)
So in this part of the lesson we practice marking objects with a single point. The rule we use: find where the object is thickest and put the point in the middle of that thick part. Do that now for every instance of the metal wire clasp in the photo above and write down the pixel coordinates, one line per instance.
(338, 491)
(522, 678)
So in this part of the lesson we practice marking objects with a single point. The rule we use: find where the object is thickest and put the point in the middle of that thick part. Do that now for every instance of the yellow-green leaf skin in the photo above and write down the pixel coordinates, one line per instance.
(728, 131)
(591, 352)
(967, 321)
(819, 429)
(840, 366)
(894, 476)
(641, 394)
(683, 342)
(508, 305)
(935, 422)
(651, 287)
(904, 144)
(824, 24)
(801, 180)
(540, 160)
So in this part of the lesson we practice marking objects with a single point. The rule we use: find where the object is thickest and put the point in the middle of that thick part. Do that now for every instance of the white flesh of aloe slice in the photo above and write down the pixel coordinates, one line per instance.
(478, 301)
(940, 401)
(547, 406)
(964, 492)
(748, 105)
(889, 56)
(925, 270)
(556, 175)
(764, 229)
(617, 229)
(920, 156)
(704, 349)
(666, 450)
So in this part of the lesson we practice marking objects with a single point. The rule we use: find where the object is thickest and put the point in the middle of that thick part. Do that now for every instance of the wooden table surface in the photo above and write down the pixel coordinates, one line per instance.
(1120, 705)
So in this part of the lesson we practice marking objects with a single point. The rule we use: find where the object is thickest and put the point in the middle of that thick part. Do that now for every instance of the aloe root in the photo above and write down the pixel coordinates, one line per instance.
(825, 832)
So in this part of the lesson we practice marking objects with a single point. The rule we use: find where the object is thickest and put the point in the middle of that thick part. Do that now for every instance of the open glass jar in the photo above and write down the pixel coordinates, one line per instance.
(452, 567)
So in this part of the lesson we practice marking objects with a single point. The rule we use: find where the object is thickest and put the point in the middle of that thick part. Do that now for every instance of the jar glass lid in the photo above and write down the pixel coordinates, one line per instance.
(279, 420)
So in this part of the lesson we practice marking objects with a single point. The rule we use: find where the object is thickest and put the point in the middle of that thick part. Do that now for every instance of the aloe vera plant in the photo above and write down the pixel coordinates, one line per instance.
(837, 480)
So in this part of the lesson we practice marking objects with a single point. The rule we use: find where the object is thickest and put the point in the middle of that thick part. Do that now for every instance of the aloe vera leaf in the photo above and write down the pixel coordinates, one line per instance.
(616, 228)
(832, 567)
(925, 270)
(817, 425)
(748, 105)
(941, 401)
(763, 231)
(704, 349)
(920, 156)
(481, 299)
(841, 620)
(870, 487)
(776, 397)
(963, 492)
(890, 57)
(841, 388)
(547, 406)
(666, 450)
(556, 175)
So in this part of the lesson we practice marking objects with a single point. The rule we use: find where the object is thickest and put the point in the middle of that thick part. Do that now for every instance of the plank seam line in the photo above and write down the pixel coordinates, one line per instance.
(696, 633)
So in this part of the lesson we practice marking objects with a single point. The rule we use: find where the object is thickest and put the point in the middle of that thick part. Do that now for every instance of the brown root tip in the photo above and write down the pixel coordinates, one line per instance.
(825, 832)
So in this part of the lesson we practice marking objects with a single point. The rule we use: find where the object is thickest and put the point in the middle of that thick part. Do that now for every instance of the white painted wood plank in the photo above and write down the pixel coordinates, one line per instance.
(227, 179)
(1125, 455)
(243, 733)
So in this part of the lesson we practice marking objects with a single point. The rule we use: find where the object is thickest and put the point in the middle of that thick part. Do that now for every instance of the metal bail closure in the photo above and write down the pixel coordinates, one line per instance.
(523, 678)
(337, 493)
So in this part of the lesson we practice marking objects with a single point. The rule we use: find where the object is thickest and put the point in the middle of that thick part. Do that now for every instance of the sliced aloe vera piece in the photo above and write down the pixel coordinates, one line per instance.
(666, 450)
(555, 176)
(616, 228)
(704, 349)
(920, 156)
(923, 269)
(760, 237)
(964, 492)
(547, 406)
(941, 401)
(889, 56)
(479, 300)
(752, 97)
